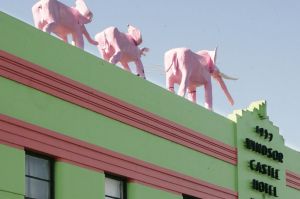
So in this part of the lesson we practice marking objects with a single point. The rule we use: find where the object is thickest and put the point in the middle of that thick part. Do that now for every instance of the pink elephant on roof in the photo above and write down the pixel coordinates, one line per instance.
(116, 46)
(191, 70)
(54, 16)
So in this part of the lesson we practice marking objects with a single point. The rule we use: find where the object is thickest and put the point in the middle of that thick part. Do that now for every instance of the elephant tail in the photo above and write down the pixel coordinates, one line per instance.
(144, 51)
(173, 63)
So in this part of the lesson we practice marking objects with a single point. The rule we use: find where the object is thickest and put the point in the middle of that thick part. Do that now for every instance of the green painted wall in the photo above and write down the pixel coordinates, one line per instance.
(43, 110)
(7, 195)
(72, 182)
(138, 191)
(12, 173)
(293, 157)
(292, 164)
(291, 193)
(76, 64)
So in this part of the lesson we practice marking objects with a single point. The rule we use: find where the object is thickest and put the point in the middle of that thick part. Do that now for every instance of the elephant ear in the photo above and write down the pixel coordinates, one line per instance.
(84, 14)
(135, 34)
(213, 55)
(81, 7)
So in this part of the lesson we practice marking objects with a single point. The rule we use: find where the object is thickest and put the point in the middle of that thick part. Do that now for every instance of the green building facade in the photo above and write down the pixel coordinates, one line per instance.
(73, 126)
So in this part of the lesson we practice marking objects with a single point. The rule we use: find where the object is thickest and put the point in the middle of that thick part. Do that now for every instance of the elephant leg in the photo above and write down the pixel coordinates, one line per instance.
(140, 68)
(105, 55)
(208, 95)
(63, 38)
(192, 95)
(48, 28)
(126, 66)
(116, 57)
(42, 25)
(78, 39)
(183, 84)
(170, 83)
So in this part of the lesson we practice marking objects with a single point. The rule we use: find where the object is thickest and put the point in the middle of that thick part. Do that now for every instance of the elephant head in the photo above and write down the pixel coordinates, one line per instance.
(86, 14)
(215, 72)
(135, 34)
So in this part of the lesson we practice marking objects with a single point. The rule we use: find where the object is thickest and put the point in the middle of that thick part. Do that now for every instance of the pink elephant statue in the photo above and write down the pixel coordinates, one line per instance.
(190, 70)
(52, 16)
(116, 46)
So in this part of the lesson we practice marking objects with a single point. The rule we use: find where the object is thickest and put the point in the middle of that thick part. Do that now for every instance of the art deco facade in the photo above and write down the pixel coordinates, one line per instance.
(75, 127)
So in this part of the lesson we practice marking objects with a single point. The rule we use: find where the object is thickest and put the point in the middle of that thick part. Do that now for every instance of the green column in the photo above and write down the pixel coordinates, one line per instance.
(12, 173)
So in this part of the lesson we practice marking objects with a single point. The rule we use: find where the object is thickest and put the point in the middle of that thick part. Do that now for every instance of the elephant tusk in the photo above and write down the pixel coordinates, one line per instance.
(227, 77)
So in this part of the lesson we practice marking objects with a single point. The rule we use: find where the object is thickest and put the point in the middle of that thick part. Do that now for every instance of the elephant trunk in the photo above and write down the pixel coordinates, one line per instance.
(87, 36)
(224, 88)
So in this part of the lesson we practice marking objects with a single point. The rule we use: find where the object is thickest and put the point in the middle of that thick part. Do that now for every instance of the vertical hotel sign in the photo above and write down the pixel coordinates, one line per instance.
(261, 167)
(261, 170)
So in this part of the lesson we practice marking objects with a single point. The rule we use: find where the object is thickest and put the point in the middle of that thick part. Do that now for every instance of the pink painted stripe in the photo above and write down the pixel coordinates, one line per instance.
(39, 78)
(293, 180)
(16, 132)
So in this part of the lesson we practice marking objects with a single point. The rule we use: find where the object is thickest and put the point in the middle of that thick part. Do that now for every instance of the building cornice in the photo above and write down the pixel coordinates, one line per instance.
(37, 77)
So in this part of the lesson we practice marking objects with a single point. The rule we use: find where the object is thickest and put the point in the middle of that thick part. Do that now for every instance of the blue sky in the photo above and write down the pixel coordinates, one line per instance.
(258, 40)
